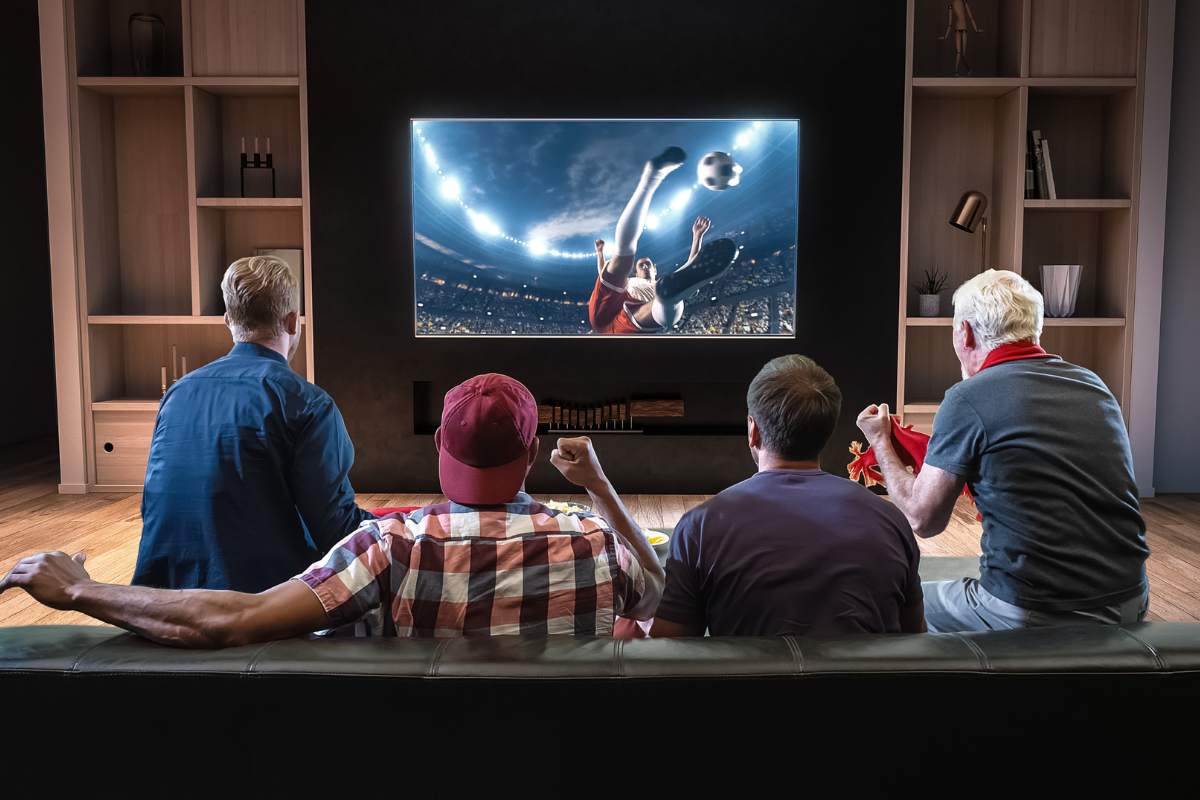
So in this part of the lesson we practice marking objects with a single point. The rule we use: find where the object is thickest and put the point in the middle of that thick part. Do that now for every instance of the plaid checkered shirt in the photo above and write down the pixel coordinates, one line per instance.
(454, 570)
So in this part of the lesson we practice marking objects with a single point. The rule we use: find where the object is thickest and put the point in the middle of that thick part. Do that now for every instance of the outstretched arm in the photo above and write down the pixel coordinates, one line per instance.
(949, 22)
(577, 461)
(698, 228)
(971, 17)
(926, 499)
(197, 618)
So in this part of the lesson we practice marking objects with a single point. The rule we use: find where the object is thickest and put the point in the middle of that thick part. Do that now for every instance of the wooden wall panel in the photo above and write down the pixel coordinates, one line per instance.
(251, 38)
(98, 171)
(152, 198)
(1095, 38)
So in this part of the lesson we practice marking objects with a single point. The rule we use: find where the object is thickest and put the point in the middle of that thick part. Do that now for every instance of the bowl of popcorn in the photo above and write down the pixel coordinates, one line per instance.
(566, 508)
(659, 540)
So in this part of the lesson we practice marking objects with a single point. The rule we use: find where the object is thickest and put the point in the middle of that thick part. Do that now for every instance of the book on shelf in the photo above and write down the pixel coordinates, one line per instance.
(1030, 168)
(1041, 187)
(1051, 194)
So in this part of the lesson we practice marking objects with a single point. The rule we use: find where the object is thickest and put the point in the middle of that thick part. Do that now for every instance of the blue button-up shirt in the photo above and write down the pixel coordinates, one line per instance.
(247, 482)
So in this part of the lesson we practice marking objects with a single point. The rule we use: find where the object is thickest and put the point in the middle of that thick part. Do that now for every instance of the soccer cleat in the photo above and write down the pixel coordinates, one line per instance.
(672, 156)
(712, 260)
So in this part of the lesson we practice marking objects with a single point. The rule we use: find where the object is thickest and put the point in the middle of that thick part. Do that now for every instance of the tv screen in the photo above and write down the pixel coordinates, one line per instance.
(605, 227)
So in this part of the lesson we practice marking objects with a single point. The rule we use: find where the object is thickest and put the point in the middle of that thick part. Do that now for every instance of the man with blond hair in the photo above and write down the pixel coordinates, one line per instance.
(247, 481)
(1042, 445)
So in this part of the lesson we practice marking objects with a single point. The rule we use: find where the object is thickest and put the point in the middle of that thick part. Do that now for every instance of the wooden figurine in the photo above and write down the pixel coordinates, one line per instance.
(957, 15)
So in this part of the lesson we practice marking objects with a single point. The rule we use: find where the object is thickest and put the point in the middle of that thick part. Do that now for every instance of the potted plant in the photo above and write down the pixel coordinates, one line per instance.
(930, 289)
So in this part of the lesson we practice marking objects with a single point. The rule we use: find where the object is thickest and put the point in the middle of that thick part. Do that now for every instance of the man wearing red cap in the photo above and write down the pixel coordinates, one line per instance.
(489, 561)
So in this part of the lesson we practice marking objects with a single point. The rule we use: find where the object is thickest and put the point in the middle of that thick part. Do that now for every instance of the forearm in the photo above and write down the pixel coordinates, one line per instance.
(606, 501)
(196, 618)
(696, 239)
(896, 478)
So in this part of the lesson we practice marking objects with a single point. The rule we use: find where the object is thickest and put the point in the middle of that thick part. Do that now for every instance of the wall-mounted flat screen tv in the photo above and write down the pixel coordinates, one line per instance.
(633, 228)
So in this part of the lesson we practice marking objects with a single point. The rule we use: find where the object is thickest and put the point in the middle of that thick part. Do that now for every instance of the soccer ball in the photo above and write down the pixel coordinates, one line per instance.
(717, 171)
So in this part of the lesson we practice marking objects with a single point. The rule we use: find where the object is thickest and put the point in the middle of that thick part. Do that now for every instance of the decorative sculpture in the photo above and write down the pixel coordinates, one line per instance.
(957, 15)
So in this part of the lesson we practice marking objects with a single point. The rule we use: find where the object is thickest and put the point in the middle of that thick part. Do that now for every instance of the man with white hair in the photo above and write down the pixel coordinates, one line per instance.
(1042, 445)
(248, 476)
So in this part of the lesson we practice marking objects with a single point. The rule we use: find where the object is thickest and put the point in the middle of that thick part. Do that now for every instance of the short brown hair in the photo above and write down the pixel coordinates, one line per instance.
(795, 405)
(260, 291)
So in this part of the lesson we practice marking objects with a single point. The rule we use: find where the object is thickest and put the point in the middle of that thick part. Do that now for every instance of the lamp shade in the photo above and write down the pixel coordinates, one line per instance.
(969, 211)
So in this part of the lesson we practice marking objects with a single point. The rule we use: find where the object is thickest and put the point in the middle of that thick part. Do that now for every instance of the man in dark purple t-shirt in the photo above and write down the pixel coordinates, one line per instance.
(792, 550)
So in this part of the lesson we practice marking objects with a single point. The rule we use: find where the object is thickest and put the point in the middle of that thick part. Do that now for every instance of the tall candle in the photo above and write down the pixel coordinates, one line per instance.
(164, 380)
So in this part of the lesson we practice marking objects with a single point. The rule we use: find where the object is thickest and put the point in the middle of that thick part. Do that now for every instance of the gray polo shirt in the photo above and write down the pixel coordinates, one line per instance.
(1044, 450)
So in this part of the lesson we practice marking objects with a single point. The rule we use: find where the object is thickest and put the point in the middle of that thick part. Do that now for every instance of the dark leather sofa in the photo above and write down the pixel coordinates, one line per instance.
(1085, 705)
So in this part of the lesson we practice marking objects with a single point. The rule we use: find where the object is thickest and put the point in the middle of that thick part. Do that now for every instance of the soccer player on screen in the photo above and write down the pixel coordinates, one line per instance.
(645, 303)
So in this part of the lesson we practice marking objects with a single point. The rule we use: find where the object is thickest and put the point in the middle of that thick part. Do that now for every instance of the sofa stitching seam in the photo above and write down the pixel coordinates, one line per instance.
(618, 667)
(254, 659)
(797, 656)
(85, 653)
(976, 649)
(1157, 659)
(435, 662)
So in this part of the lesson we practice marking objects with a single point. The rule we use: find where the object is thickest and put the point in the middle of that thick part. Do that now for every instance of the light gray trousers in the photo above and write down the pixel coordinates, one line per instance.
(964, 605)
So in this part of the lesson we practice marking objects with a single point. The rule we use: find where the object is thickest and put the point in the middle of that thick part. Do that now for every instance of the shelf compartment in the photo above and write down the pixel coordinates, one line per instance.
(245, 37)
(131, 319)
(1098, 240)
(133, 164)
(931, 367)
(220, 123)
(1084, 37)
(269, 203)
(101, 30)
(128, 404)
(963, 143)
(948, 322)
(138, 87)
(920, 416)
(248, 87)
(1075, 205)
(227, 234)
(995, 51)
(1098, 348)
(127, 360)
(1091, 140)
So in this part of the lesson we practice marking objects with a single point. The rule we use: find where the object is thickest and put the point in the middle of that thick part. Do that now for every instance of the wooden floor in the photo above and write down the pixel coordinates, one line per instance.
(35, 518)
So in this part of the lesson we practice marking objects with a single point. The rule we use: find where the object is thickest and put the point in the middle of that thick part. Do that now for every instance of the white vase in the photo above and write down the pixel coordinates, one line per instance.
(1060, 288)
(931, 304)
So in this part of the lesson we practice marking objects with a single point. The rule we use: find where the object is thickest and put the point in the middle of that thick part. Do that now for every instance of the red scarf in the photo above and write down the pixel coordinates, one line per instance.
(910, 445)
(1014, 351)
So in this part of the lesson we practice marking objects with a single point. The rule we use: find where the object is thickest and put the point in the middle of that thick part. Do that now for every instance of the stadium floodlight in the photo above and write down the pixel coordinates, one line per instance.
(483, 224)
(744, 137)
(450, 188)
(429, 156)
(681, 198)
(757, 124)
(651, 222)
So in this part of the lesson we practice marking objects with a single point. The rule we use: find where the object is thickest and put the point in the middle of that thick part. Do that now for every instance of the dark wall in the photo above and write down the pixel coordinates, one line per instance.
(373, 67)
(27, 401)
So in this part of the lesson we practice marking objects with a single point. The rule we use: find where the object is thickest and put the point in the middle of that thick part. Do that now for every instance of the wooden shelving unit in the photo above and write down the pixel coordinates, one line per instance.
(158, 216)
(1075, 71)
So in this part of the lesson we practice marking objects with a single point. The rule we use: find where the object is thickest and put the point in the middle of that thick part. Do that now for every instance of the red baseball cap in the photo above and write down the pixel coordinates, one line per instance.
(488, 426)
